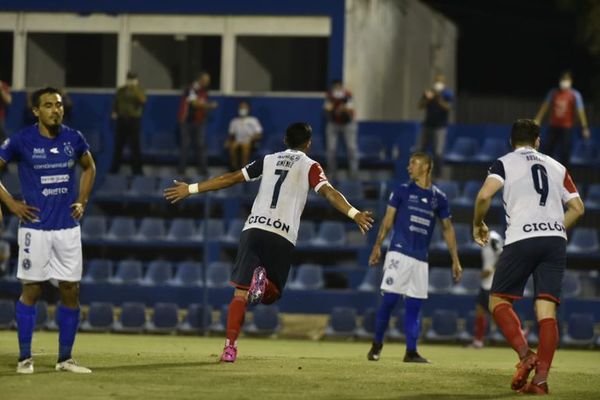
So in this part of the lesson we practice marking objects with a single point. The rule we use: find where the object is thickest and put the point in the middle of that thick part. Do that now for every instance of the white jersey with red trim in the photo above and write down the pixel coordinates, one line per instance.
(286, 178)
(535, 188)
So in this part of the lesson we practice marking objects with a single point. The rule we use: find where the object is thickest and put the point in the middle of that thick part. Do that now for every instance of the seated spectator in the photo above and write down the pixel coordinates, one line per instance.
(244, 131)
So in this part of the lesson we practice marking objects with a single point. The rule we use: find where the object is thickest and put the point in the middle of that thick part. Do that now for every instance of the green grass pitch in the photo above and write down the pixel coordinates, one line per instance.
(185, 367)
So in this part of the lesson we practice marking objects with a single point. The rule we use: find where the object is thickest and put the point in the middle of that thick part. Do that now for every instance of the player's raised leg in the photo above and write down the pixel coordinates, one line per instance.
(25, 314)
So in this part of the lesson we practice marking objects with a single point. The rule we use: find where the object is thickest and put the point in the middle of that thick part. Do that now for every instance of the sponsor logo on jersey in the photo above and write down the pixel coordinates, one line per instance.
(50, 179)
(420, 220)
(544, 227)
(413, 198)
(55, 191)
(424, 200)
(39, 152)
(416, 229)
(54, 150)
(51, 165)
(262, 220)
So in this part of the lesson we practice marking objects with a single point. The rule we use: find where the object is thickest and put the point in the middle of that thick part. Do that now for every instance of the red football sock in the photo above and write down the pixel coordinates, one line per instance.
(509, 323)
(271, 293)
(235, 318)
(548, 329)
(480, 325)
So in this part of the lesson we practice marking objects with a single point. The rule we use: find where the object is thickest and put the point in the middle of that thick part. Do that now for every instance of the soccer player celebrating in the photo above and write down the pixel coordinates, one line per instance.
(49, 234)
(412, 211)
(535, 189)
(268, 238)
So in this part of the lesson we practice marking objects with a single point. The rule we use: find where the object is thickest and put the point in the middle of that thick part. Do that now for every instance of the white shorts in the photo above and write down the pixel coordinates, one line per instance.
(45, 255)
(405, 275)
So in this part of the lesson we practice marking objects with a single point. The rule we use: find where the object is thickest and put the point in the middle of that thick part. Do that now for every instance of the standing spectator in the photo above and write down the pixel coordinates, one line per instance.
(127, 110)
(340, 121)
(437, 103)
(193, 109)
(5, 100)
(563, 103)
(244, 131)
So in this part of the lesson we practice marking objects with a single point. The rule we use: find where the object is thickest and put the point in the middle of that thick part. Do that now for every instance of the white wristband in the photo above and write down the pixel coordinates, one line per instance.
(352, 212)
(193, 188)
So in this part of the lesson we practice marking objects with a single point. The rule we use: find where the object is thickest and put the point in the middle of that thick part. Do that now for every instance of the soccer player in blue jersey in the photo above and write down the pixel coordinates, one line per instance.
(412, 211)
(49, 235)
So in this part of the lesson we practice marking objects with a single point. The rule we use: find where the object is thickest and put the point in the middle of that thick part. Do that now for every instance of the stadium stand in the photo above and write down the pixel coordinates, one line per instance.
(197, 319)
(444, 326)
(100, 318)
(132, 318)
(342, 322)
(579, 330)
(265, 320)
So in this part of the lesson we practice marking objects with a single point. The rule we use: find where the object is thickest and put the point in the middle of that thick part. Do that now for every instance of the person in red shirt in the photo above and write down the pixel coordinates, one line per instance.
(5, 100)
(564, 103)
(193, 109)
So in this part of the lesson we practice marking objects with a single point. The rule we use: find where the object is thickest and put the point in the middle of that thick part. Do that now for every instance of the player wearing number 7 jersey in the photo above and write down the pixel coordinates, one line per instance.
(268, 238)
(536, 188)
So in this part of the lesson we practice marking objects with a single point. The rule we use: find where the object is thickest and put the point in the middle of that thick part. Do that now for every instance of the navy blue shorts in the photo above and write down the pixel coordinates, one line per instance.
(265, 249)
(483, 298)
(543, 257)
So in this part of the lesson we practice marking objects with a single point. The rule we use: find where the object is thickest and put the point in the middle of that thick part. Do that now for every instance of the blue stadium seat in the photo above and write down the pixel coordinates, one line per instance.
(367, 326)
(342, 322)
(370, 148)
(182, 229)
(265, 320)
(197, 319)
(352, 189)
(470, 282)
(571, 285)
(492, 149)
(143, 187)
(94, 227)
(592, 200)
(463, 150)
(437, 239)
(122, 229)
(440, 280)
(449, 188)
(99, 270)
(114, 186)
(220, 325)
(583, 240)
(215, 229)
(188, 273)
(162, 144)
(159, 273)
(444, 326)
(580, 330)
(100, 318)
(585, 152)
(152, 229)
(271, 144)
(467, 333)
(234, 230)
(331, 234)
(41, 316)
(306, 233)
(165, 318)
(128, 272)
(308, 277)
(235, 191)
(469, 193)
(396, 332)
(217, 274)
(370, 282)
(464, 237)
(132, 318)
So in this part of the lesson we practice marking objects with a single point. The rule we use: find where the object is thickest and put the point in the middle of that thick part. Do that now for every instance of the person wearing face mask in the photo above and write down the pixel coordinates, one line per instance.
(564, 102)
(340, 122)
(244, 131)
(437, 103)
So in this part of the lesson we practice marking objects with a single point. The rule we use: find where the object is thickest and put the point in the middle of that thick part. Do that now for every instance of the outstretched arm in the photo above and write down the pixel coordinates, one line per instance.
(384, 229)
(86, 183)
(181, 190)
(363, 219)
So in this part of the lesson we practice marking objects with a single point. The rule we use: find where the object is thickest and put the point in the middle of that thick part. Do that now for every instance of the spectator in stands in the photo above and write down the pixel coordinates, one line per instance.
(5, 100)
(193, 110)
(340, 122)
(4, 252)
(437, 103)
(244, 131)
(489, 256)
(563, 102)
(127, 110)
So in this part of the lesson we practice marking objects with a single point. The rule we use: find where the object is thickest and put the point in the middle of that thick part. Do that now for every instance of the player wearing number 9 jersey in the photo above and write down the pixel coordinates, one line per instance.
(536, 190)
(268, 238)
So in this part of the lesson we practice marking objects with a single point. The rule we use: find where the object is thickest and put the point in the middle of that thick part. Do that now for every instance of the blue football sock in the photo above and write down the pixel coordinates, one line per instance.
(68, 321)
(25, 316)
(383, 315)
(412, 325)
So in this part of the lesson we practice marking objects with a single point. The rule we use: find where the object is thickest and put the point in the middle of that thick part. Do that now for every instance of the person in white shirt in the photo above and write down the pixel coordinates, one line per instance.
(489, 256)
(244, 131)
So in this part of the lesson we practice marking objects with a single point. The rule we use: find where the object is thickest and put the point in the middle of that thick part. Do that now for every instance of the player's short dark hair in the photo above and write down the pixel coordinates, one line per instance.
(297, 134)
(426, 157)
(524, 131)
(35, 96)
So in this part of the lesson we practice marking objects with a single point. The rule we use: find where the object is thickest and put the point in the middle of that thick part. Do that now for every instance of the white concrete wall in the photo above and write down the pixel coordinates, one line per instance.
(393, 48)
